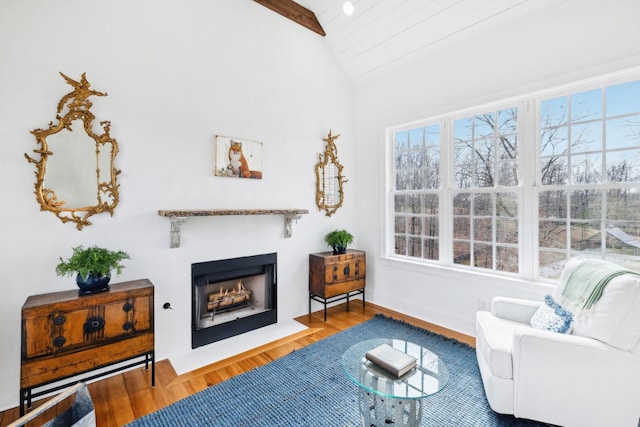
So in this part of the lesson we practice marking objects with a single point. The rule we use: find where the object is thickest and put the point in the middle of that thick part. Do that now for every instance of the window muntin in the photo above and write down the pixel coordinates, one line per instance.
(584, 176)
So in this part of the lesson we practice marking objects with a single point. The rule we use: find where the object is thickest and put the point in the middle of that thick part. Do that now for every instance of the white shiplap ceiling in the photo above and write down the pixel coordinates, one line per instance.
(382, 34)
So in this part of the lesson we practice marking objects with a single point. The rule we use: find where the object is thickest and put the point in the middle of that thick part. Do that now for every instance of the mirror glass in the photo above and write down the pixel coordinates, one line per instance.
(76, 177)
(71, 166)
(329, 178)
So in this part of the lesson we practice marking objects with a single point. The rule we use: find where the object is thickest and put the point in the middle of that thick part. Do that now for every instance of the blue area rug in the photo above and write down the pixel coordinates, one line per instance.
(309, 388)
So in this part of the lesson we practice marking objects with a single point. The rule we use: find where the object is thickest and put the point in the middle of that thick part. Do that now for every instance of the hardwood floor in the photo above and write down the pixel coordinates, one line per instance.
(124, 397)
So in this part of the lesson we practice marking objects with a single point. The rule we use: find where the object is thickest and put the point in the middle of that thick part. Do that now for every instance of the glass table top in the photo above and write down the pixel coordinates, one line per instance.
(428, 377)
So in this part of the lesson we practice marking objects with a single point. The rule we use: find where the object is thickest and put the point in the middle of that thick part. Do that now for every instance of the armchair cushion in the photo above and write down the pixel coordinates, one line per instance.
(550, 316)
(615, 318)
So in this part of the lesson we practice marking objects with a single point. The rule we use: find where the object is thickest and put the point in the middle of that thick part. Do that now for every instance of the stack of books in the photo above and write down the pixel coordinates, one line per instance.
(391, 359)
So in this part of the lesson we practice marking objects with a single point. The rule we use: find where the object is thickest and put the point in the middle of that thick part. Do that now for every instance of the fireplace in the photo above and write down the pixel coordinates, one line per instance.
(232, 296)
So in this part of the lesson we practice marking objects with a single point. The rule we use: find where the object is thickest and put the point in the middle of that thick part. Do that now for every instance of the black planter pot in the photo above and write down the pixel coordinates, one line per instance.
(93, 284)
(337, 250)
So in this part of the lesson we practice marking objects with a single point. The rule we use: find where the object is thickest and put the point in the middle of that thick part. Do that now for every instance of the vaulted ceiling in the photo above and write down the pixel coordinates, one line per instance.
(382, 34)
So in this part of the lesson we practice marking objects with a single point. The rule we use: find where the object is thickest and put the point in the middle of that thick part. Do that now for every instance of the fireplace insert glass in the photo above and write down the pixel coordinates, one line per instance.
(232, 296)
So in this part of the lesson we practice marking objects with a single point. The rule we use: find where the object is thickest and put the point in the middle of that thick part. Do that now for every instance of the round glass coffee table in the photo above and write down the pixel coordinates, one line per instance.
(385, 399)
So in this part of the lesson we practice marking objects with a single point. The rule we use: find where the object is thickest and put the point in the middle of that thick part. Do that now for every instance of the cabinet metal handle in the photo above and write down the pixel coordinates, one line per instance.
(93, 324)
(346, 270)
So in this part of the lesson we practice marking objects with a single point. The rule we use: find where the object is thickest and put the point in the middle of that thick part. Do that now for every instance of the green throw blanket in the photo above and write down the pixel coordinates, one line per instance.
(587, 282)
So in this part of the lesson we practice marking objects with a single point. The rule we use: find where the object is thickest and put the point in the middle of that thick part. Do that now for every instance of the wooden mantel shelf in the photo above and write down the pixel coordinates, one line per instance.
(180, 216)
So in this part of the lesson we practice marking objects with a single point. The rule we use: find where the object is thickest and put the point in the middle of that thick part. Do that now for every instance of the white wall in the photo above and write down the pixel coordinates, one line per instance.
(177, 73)
(573, 40)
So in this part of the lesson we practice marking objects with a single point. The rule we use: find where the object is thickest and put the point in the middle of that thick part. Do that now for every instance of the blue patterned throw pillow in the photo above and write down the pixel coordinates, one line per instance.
(552, 317)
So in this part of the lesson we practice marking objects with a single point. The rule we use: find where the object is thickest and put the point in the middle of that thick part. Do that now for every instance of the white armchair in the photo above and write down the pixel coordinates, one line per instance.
(573, 379)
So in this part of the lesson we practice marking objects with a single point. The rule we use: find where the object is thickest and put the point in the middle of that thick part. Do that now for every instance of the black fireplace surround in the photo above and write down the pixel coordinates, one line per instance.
(257, 273)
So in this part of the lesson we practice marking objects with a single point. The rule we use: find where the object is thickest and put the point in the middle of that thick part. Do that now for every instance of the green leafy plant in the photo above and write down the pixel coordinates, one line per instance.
(96, 260)
(338, 240)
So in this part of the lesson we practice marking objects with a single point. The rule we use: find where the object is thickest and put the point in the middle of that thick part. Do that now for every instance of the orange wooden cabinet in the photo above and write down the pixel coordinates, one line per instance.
(65, 334)
(336, 277)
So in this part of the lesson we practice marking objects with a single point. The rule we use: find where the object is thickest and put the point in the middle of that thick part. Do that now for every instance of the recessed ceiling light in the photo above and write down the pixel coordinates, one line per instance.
(347, 8)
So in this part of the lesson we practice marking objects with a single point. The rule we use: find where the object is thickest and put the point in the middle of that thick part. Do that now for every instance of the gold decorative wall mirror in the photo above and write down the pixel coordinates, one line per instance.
(329, 178)
(75, 174)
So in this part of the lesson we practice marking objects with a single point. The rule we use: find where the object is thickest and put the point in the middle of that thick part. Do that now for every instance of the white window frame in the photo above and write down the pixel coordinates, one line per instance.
(529, 186)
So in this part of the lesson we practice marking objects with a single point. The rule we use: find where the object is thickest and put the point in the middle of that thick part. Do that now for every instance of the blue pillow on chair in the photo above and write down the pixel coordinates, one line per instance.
(551, 316)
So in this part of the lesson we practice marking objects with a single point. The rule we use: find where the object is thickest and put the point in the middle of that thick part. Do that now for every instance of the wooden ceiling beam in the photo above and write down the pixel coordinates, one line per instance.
(297, 13)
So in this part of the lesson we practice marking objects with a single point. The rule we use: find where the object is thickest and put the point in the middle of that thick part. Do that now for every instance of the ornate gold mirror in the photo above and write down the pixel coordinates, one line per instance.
(329, 178)
(75, 174)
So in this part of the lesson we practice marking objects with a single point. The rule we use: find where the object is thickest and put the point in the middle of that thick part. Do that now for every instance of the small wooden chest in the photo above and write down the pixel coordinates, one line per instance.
(332, 275)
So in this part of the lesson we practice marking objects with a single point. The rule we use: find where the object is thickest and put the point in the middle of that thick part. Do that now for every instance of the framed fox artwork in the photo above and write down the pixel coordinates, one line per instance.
(238, 158)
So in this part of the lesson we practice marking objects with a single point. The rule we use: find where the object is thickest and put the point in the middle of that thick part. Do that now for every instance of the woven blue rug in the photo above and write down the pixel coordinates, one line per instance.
(309, 388)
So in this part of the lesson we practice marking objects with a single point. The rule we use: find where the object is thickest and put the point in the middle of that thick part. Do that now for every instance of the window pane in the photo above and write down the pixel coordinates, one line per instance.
(586, 204)
(551, 264)
(554, 112)
(585, 236)
(462, 204)
(624, 205)
(623, 239)
(400, 224)
(554, 141)
(622, 166)
(586, 105)
(554, 170)
(507, 259)
(463, 129)
(431, 225)
(431, 204)
(508, 121)
(552, 204)
(586, 169)
(484, 162)
(461, 253)
(507, 205)
(462, 227)
(431, 249)
(483, 204)
(483, 256)
(623, 98)
(483, 230)
(416, 138)
(552, 234)
(623, 133)
(415, 225)
(586, 137)
(414, 203)
(484, 125)
(432, 135)
(414, 247)
(400, 203)
(401, 245)
(508, 173)
(401, 139)
(506, 231)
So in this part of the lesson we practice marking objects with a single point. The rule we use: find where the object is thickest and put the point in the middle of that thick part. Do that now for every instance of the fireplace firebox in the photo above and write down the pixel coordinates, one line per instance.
(232, 296)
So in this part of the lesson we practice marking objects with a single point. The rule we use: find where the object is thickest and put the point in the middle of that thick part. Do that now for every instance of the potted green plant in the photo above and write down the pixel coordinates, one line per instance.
(93, 267)
(338, 240)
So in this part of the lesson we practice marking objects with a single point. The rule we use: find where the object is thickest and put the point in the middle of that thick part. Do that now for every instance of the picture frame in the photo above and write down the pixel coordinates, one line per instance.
(237, 158)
